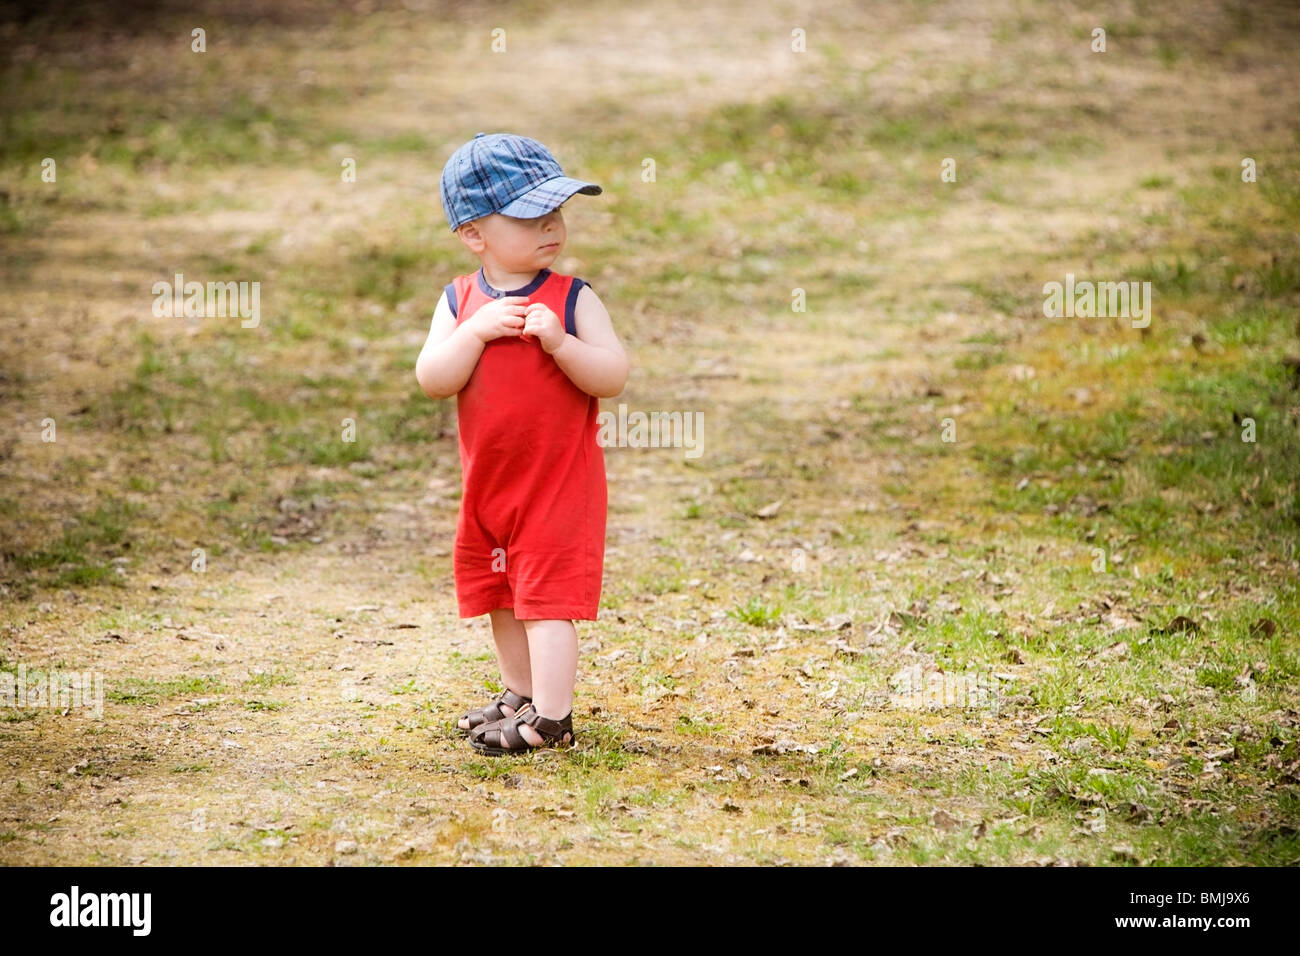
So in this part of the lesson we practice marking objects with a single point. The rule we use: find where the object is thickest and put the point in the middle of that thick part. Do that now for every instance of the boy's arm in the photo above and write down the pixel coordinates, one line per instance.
(594, 359)
(449, 354)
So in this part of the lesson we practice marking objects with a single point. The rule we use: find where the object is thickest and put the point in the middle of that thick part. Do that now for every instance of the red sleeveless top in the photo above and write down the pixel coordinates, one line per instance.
(531, 529)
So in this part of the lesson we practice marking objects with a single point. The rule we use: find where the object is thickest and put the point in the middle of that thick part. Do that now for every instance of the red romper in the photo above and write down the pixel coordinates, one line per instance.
(531, 530)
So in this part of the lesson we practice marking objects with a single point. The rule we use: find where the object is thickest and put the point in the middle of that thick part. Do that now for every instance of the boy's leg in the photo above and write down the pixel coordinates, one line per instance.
(511, 642)
(553, 648)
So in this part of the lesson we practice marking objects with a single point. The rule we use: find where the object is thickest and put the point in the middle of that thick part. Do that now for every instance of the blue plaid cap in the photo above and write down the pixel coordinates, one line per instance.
(501, 172)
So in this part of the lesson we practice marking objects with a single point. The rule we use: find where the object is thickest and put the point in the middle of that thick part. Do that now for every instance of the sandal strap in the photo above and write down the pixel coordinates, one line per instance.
(504, 733)
(493, 711)
(547, 727)
(511, 736)
(511, 699)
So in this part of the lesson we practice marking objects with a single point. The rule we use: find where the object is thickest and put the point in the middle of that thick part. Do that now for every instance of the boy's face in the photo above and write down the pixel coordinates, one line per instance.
(517, 244)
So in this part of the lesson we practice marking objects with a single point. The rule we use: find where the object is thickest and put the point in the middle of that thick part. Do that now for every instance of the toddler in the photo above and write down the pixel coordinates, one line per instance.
(527, 352)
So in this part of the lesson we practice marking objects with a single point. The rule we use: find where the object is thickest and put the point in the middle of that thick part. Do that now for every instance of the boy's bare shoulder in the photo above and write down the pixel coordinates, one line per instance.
(443, 323)
(592, 322)
(588, 303)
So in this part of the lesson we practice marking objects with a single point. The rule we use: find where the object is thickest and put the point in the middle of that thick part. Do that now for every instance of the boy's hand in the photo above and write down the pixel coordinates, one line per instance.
(541, 321)
(498, 318)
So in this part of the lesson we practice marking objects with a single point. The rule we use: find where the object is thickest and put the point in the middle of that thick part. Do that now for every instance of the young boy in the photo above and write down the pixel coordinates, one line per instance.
(527, 352)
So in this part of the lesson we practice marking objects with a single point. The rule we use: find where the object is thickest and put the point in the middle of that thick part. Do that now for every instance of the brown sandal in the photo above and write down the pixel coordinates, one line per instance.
(493, 712)
(502, 737)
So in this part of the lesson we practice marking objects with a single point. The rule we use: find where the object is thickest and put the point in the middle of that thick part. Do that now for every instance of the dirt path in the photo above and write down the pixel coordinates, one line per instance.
(297, 705)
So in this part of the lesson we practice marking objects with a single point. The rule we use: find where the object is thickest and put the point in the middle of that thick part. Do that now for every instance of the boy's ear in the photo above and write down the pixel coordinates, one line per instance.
(470, 235)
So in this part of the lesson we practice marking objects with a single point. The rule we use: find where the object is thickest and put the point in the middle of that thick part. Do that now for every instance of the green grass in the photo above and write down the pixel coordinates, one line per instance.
(757, 613)
(78, 556)
(148, 691)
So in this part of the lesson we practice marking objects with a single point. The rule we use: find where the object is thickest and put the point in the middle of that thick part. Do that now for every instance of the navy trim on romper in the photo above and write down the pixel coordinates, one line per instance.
(532, 287)
(570, 303)
(570, 307)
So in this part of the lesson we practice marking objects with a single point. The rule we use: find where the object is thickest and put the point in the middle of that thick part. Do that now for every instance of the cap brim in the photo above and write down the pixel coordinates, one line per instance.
(540, 200)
